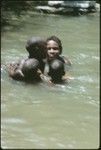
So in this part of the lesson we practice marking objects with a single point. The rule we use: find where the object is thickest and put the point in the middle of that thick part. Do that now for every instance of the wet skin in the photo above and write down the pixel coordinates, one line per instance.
(53, 50)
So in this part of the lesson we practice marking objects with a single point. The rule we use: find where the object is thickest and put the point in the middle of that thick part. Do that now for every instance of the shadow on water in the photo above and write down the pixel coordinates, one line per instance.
(12, 10)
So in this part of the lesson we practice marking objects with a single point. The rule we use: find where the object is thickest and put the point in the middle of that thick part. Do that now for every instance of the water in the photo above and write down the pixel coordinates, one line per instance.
(63, 116)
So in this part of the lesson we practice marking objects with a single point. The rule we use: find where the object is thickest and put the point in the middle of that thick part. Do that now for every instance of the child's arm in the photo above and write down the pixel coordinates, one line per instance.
(19, 69)
(15, 70)
(67, 60)
(67, 77)
(44, 78)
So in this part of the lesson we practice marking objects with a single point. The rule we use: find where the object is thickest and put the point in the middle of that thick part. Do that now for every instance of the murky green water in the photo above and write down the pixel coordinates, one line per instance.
(41, 116)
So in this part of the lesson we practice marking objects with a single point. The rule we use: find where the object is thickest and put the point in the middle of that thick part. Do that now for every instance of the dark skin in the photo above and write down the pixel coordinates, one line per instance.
(29, 73)
(57, 72)
(30, 69)
(54, 50)
(37, 50)
(27, 70)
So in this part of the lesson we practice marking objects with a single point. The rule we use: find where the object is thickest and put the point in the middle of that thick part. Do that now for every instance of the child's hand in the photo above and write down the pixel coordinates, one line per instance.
(11, 69)
(67, 60)
(39, 72)
(66, 77)
(18, 71)
(45, 78)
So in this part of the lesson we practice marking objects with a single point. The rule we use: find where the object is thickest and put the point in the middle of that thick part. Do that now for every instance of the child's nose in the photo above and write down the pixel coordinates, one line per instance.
(52, 50)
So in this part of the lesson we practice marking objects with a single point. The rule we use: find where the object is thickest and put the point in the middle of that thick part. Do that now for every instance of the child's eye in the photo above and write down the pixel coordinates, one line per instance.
(55, 48)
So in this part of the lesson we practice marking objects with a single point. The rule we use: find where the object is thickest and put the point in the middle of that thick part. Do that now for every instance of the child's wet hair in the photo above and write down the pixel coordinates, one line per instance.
(36, 47)
(56, 68)
(57, 40)
(30, 65)
(30, 68)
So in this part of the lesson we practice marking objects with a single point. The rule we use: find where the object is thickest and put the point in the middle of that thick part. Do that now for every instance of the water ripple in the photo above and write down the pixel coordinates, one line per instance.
(13, 120)
(85, 78)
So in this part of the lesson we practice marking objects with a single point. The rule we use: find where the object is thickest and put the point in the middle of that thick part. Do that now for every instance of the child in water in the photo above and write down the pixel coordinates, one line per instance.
(56, 71)
(55, 61)
(54, 50)
(32, 67)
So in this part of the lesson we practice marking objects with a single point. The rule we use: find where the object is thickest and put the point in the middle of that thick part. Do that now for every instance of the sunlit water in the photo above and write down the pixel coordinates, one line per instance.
(61, 116)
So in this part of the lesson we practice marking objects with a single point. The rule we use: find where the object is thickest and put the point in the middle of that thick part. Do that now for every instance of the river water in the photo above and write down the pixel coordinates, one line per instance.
(43, 116)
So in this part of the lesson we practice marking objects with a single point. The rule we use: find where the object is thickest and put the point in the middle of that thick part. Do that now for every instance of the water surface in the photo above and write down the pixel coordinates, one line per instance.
(41, 116)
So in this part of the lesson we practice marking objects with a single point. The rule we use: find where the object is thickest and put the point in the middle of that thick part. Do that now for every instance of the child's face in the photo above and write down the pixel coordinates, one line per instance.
(53, 49)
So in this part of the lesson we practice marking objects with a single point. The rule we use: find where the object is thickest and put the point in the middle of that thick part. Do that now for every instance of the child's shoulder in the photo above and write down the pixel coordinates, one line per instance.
(66, 60)
(61, 58)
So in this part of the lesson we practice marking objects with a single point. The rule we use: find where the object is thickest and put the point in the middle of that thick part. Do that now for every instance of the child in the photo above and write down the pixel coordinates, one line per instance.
(56, 71)
(36, 48)
(28, 69)
(54, 50)
(54, 59)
